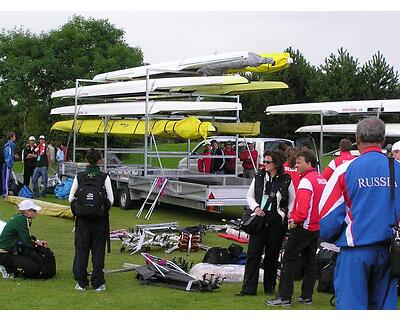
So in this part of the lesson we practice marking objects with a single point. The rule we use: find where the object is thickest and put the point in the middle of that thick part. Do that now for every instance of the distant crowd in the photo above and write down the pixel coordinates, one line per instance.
(37, 157)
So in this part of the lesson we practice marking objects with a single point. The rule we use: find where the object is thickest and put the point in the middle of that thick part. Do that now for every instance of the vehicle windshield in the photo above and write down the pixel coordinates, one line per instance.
(273, 145)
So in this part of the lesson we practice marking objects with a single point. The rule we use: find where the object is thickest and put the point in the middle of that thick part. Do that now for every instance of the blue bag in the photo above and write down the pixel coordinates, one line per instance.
(62, 189)
(25, 192)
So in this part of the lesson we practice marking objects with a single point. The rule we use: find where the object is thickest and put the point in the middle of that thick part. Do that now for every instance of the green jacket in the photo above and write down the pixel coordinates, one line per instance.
(16, 229)
(92, 171)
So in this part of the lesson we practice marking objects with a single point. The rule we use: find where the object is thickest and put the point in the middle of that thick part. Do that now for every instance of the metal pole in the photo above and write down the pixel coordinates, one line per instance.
(321, 145)
(75, 116)
(188, 154)
(237, 138)
(146, 124)
(105, 142)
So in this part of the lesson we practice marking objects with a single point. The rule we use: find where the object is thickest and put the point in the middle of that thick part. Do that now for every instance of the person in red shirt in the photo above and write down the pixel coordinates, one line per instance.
(230, 163)
(204, 164)
(303, 234)
(247, 163)
(290, 166)
(345, 155)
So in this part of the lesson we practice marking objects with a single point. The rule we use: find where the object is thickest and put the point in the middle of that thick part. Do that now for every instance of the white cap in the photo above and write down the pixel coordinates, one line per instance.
(31, 138)
(250, 141)
(27, 205)
(41, 137)
(396, 146)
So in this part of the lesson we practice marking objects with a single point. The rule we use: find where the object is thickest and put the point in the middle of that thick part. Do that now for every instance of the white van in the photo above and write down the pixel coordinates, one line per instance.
(261, 144)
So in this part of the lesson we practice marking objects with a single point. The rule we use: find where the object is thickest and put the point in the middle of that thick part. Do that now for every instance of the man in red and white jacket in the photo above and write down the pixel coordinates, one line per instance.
(345, 155)
(303, 234)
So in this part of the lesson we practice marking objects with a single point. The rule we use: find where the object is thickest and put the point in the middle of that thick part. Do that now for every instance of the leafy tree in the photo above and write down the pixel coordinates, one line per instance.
(300, 77)
(378, 79)
(339, 78)
(33, 66)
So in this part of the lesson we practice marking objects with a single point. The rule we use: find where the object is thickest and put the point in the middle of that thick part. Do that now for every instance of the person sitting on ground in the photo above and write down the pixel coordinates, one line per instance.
(17, 246)
(345, 155)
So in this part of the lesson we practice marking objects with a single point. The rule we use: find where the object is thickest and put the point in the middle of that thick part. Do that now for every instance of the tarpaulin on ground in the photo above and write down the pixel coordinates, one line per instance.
(48, 208)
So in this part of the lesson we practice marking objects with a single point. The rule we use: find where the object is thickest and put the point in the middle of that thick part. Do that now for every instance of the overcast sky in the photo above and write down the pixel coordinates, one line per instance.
(165, 36)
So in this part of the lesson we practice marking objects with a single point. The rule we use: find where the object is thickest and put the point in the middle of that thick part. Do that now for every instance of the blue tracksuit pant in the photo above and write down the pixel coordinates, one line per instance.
(362, 279)
(6, 174)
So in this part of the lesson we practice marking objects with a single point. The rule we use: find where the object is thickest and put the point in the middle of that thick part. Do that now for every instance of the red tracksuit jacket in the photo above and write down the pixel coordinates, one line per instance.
(308, 195)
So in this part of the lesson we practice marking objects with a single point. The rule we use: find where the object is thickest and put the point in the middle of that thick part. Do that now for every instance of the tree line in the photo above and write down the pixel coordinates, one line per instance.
(32, 66)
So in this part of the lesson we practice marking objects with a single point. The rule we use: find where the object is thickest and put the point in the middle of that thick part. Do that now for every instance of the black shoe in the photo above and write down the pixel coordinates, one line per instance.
(242, 294)
(304, 300)
(270, 292)
(278, 302)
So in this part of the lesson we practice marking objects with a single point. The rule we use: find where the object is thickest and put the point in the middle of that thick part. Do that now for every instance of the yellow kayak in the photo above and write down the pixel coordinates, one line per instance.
(188, 128)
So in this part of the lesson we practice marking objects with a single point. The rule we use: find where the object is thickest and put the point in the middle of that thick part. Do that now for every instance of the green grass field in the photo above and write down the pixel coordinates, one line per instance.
(123, 289)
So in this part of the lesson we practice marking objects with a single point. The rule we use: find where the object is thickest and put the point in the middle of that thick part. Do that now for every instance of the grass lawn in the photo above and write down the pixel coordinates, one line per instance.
(123, 289)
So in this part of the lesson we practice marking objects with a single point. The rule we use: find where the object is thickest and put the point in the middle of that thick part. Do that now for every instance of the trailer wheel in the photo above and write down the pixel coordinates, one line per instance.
(125, 201)
(116, 195)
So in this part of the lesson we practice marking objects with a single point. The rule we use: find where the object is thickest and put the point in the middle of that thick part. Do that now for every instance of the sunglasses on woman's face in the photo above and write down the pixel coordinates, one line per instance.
(267, 162)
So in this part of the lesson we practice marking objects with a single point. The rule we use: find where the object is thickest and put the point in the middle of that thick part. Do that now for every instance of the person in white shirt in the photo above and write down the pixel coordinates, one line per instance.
(60, 159)
(396, 151)
(91, 223)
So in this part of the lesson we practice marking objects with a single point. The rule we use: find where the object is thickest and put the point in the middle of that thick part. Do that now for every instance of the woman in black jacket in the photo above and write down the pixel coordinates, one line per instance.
(271, 196)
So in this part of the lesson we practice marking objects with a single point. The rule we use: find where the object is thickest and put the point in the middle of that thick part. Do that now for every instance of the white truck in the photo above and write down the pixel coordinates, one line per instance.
(261, 144)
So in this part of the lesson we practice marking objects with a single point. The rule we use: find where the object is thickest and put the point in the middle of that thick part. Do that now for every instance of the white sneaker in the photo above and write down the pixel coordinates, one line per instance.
(101, 288)
(79, 288)
(5, 274)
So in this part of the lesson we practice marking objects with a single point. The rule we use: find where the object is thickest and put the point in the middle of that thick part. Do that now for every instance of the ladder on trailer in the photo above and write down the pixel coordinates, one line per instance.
(160, 183)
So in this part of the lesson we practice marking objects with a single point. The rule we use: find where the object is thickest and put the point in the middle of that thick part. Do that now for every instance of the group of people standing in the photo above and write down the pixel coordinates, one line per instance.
(36, 157)
(348, 204)
(216, 160)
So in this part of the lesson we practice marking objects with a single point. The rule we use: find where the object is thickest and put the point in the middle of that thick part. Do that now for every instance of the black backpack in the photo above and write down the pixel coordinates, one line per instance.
(47, 262)
(42, 256)
(327, 275)
(90, 199)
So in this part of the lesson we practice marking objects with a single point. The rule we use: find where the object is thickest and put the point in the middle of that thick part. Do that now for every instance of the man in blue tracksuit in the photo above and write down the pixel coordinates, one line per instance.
(357, 213)
(8, 164)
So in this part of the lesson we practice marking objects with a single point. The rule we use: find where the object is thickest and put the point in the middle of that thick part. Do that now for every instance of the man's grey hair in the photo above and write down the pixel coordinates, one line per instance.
(371, 130)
